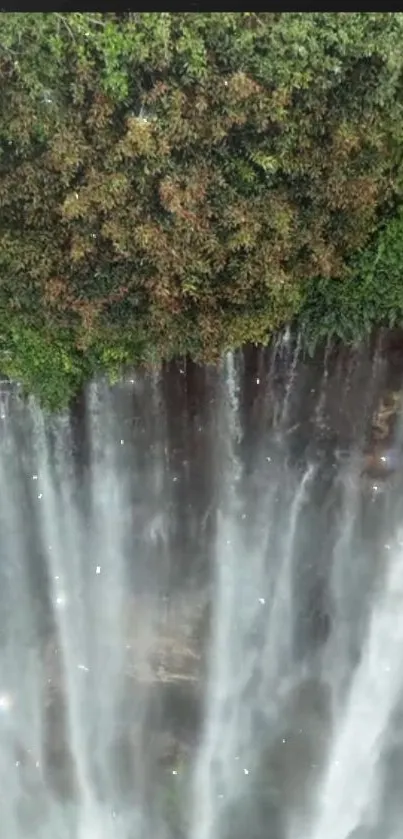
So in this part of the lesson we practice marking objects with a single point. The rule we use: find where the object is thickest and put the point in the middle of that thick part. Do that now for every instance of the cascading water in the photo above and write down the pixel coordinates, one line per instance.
(201, 606)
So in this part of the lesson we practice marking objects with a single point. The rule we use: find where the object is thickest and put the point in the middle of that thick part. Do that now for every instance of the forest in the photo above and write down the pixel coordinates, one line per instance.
(181, 184)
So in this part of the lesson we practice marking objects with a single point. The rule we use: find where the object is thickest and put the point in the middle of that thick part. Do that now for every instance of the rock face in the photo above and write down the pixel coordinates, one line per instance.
(384, 419)
(382, 463)
(164, 671)
(163, 642)
(383, 458)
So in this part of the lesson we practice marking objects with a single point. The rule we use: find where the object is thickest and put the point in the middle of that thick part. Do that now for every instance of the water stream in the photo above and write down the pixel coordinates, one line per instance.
(201, 604)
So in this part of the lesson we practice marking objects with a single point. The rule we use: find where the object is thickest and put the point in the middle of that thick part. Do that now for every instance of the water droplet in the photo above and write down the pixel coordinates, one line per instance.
(262, 600)
(37, 764)
(383, 459)
(61, 600)
(6, 702)
(34, 477)
(122, 442)
(246, 771)
(284, 740)
(174, 772)
(98, 569)
(258, 381)
(40, 495)
(83, 667)
(268, 459)
(17, 763)
(387, 547)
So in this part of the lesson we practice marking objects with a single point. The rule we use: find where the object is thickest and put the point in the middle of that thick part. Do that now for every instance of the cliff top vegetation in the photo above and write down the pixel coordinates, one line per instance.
(185, 183)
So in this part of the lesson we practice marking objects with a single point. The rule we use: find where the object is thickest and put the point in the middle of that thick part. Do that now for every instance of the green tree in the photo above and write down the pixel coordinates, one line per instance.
(184, 183)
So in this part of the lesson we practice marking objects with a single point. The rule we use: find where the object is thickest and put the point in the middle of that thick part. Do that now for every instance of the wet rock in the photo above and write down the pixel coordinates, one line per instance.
(162, 639)
(385, 416)
(382, 463)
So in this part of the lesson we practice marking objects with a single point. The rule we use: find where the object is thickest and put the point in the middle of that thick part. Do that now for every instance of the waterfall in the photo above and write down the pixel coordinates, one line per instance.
(349, 790)
(201, 622)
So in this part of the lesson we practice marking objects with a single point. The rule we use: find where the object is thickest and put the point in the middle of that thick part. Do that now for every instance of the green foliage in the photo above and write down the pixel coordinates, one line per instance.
(371, 295)
(44, 363)
(178, 182)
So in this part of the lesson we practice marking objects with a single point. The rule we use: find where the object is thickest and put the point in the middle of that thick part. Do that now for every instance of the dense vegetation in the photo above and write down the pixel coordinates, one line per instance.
(184, 183)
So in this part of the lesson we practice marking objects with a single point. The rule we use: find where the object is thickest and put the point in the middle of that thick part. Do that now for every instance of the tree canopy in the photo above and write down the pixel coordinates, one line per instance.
(182, 183)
